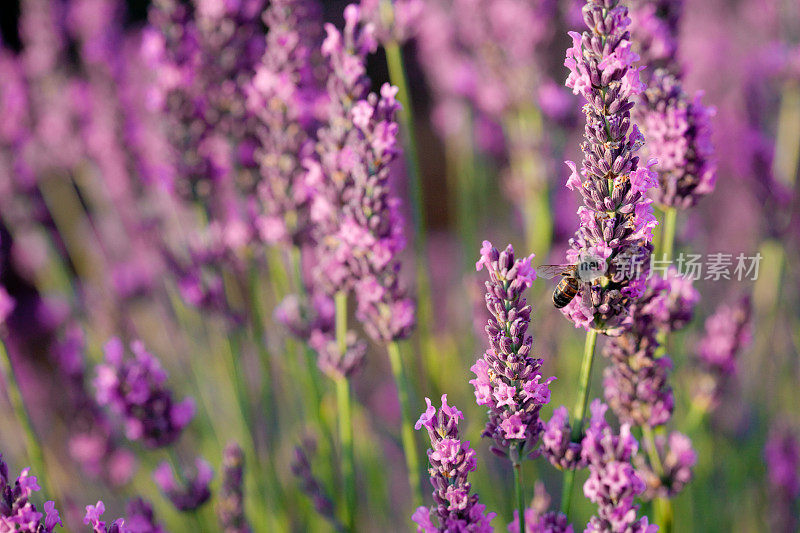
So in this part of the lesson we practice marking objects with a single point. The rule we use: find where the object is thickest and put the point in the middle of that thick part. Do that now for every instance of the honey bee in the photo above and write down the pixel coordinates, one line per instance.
(583, 273)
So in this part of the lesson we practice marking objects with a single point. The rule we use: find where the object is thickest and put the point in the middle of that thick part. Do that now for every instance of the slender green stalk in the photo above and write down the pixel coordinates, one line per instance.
(524, 129)
(345, 419)
(787, 139)
(406, 430)
(668, 235)
(661, 506)
(398, 77)
(519, 492)
(32, 447)
(579, 412)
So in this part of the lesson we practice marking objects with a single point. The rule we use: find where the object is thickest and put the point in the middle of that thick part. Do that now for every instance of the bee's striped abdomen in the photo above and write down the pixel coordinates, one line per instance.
(566, 290)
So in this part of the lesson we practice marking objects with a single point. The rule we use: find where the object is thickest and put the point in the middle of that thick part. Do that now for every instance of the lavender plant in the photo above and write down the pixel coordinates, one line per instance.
(451, 460)
(508, 379)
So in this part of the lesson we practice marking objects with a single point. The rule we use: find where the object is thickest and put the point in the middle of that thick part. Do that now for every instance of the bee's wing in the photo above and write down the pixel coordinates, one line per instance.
(551, 271)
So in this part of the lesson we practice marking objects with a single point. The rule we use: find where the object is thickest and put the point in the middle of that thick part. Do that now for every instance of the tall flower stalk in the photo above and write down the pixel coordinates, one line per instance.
(357, 221)
(616, 218)
(451, 460)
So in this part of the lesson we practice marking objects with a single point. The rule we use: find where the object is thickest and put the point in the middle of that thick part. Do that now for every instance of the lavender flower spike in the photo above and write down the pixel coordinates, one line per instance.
(507, 376)
(301, 468)
(357, 219)
(230, 507)
(782, 455)
(677, 458)
(17, 512)
(93, 518)
(613, 482)
(134, 389)
(141, 517)
(616, 218)
(193, 490)
(451, 460)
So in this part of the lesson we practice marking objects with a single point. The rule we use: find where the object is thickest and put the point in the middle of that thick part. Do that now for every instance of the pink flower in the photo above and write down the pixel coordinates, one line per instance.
(513, 427)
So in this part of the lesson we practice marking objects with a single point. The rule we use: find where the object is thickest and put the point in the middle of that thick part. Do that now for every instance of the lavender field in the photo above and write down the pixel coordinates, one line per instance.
(399, 265)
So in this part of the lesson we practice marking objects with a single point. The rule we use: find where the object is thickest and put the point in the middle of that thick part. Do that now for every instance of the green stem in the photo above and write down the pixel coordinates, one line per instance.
(345, 418)
(34, 451)
(661, 506)
(519, 493)
(398, 77)
(406, 430)
(668, 235)
(579, 412)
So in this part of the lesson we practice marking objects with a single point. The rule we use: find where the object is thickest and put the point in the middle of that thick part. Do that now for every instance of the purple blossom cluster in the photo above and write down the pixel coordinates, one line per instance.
(301, 468)
(613, 481)
(557, 444)
(636, 383)
(287, 99)
(134, 389)
(508, 379)
(616, 220)
(451, 460)
(678, 133)
(676, 125)
(230, 507)
(485, 55)
(141, 518)
(782, 455)
(728, 330)
(205, 55)
(94, 518)
(191, 490)
(357, 219)
(678, 459)
(17, 512)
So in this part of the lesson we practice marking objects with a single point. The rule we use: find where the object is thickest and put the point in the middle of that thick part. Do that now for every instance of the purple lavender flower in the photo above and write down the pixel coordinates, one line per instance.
(782, 454)
(616, 218)
(727, 332)
(135, 390)
(394, 21)
(286, 98)
(357, 220)
(141, 517)
(678, 133)
(193, 489)
(93, 518)
(507, 376)
(654, 31)
(538, 517)
(678, 459)
(636, 384)
(331, 360)
(557, 445)
(613, 482)
(451, 460)
(677, 126)
(301, 468)
(484, 53)
(230, 506)
(17, 512)
(302, 316)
